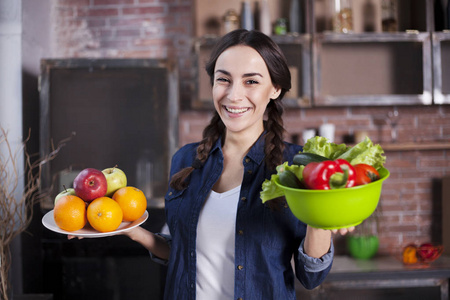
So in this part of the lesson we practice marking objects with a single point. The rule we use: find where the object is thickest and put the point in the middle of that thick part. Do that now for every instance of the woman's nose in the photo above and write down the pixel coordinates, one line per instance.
(236, 92)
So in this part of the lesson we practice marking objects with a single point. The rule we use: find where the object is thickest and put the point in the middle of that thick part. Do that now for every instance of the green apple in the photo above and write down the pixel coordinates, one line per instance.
(115, 179)
(66, 192)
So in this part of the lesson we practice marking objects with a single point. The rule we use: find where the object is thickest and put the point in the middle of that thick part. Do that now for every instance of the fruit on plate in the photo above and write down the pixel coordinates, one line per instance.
(70, 213)
(132, 202)
(66, 192)
(90, 184)
(104, 214)
(115, 179)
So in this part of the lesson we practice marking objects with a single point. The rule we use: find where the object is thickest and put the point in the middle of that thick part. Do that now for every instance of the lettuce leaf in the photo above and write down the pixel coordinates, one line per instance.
(270, 190)
(365, 152)
(321, 146)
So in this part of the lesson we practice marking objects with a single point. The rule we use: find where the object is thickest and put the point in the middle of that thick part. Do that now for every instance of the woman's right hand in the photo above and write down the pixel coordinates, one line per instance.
(153, 243)
(128, 233)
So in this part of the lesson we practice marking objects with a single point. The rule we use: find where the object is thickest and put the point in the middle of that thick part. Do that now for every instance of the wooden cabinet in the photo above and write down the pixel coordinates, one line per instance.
(364, 67)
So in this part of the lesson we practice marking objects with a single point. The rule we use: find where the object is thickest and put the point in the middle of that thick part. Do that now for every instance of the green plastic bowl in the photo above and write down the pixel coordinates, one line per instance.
(363, 247)
(335, 209)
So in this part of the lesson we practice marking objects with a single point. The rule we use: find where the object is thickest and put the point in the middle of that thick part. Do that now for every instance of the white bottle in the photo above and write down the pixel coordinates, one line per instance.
(264, 19)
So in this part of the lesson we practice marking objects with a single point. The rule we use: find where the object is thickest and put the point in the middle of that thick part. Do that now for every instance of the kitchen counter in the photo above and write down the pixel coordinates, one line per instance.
(387, 272)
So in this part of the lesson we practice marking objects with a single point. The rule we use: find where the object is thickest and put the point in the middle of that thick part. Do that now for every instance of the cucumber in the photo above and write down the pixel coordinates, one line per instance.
(303, 158)
(289, 179)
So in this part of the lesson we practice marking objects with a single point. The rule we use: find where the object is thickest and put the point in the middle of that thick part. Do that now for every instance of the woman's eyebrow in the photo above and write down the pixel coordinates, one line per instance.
(243, 76)
(252, 74)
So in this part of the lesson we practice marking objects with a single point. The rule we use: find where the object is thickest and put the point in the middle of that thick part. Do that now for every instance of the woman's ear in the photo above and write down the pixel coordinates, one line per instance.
(275, 93)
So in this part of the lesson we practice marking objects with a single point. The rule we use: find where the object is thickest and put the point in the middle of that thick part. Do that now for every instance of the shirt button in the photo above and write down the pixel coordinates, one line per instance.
(240, 267)
(249, 172)
(192, 253)
(240, 298)
(241, 232)
(244, 199)
(170, 193)
(247, 160)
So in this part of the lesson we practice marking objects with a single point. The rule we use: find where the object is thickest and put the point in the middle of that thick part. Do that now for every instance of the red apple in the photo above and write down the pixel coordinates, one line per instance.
(90, 184)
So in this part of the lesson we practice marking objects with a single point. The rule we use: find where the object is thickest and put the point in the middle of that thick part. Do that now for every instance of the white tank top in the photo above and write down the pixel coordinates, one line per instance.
(215, 246)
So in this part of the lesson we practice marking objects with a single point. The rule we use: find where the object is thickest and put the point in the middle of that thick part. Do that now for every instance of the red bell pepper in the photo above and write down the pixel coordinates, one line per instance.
(329, 175)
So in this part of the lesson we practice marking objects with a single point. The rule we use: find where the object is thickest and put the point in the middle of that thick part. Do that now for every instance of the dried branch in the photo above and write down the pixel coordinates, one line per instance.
(17, 212)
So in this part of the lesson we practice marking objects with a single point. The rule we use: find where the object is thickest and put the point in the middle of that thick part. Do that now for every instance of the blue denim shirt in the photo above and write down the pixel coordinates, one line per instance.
(266, 239)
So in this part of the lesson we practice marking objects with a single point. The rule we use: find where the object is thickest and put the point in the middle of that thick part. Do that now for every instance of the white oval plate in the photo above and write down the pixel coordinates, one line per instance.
(49, 222)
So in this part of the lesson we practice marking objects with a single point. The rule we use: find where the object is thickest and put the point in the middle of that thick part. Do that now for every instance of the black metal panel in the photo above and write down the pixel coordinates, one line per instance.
(119, 110)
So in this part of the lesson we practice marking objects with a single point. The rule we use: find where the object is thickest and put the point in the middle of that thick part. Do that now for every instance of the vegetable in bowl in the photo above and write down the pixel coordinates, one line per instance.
(330, 201)
(322, 150)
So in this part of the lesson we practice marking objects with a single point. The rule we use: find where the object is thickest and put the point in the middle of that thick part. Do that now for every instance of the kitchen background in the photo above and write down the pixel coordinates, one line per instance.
(411, 201)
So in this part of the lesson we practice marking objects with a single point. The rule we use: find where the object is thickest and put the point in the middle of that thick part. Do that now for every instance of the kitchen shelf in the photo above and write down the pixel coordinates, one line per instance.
(369, 69)
(416, 146)
(441, 56)
(407, 67)
(330, 37)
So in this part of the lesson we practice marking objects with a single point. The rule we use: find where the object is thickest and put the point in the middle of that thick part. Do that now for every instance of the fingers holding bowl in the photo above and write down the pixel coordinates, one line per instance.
(343, 231)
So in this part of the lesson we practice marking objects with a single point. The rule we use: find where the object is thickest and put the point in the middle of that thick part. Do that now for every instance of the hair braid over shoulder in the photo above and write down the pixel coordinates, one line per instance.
(275, 132)
(211, 134)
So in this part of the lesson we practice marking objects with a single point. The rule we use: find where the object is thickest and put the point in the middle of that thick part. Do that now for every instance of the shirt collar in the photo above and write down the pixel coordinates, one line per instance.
(256, 152)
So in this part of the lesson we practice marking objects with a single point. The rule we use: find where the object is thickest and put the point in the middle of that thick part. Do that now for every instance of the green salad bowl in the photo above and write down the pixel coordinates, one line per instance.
(335, 209)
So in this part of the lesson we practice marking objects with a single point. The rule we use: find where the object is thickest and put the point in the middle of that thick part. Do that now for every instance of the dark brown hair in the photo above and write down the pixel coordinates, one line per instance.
(281, 78)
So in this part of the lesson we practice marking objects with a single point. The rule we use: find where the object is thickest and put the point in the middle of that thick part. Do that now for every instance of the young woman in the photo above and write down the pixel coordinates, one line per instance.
(224, 243)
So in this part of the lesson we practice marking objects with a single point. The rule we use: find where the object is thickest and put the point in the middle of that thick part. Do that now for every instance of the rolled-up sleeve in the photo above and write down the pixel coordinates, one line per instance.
(157, 259)
(312, 264)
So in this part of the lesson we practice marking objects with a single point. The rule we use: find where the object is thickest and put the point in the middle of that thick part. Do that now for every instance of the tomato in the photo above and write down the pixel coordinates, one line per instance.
(365, 174)
(427, 251)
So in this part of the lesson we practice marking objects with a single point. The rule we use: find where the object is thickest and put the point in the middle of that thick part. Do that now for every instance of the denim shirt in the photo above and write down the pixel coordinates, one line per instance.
(266, 238)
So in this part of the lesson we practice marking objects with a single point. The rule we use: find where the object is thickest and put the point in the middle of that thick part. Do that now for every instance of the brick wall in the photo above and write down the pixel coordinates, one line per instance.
(411, 198)
(127, 29)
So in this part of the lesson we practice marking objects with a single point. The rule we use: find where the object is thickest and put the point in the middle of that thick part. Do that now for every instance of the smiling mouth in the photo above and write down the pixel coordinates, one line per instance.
(236, 110)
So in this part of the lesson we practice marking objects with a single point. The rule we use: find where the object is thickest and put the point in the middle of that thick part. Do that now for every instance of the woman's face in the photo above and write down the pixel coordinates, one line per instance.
(242, 88)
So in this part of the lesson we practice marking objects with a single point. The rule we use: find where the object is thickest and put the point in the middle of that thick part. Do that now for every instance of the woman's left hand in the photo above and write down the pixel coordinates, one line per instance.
(343, 231)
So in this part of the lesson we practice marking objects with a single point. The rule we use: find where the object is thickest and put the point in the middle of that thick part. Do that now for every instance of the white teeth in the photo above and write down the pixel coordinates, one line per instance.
(236, 110)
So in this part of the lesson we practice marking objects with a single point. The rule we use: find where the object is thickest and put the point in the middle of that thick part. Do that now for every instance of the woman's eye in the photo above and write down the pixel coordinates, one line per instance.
(251, 81)
(221, 79)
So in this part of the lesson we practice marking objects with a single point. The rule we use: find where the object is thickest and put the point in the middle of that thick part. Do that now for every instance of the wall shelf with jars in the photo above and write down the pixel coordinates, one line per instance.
(360, 52)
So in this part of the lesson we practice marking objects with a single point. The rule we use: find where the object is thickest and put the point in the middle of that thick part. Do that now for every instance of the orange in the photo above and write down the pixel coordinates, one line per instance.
(132, 201)
(104, 214)
(70, 213)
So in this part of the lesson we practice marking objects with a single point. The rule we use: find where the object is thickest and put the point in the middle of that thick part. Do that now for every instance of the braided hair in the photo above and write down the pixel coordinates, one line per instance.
(280, 77)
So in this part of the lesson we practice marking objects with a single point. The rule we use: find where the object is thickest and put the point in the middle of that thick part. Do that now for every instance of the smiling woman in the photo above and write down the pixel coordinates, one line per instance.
(224, 242)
